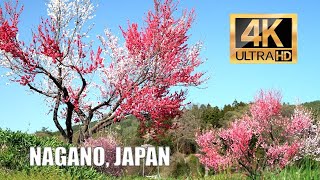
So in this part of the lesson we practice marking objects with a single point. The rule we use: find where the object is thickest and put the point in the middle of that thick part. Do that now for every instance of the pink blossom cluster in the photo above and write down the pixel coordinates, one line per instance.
(13, 47)
(261, 138)
(109, 144)
(48, 44)
(281, 155)
(210, 156)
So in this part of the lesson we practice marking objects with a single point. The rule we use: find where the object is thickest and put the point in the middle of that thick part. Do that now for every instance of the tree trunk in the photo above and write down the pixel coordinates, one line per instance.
(69, 124)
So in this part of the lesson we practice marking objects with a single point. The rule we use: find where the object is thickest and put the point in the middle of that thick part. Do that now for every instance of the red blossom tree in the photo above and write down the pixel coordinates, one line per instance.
(261, 138)
(82, 84)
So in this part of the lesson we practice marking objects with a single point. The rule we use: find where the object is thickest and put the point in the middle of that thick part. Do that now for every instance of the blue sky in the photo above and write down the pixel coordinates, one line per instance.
(22, 110)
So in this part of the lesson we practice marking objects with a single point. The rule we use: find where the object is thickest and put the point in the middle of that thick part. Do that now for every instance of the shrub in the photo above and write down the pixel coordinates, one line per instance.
(260, 139)
(14, 155)
(15, 146)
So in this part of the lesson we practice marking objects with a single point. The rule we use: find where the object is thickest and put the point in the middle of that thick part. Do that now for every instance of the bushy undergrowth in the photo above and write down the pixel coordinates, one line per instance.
(305, 168)
(14, 156)
(50, 173)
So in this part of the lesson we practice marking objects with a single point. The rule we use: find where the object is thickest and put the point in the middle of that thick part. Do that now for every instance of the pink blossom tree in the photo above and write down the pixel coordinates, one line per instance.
(261, 138)
(82, 83)
(109, 144)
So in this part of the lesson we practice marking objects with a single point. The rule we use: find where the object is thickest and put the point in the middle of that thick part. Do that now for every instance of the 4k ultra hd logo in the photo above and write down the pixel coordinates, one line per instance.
(263, 38)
